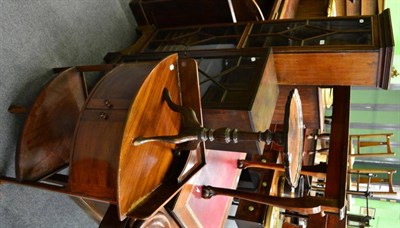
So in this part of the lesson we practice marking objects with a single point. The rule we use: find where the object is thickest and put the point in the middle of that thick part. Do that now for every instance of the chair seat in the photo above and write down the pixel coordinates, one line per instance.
(45, 143)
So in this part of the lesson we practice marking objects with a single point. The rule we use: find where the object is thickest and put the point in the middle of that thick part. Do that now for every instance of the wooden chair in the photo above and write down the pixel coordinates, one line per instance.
(363, 142)
(360, 179)
(375, 180)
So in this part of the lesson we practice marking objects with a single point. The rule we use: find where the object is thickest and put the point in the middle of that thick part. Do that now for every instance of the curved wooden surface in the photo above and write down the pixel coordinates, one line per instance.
(142, 168)
(293, 145)
(125, 104)
(46, 138)
(97, 140)
(187, 163)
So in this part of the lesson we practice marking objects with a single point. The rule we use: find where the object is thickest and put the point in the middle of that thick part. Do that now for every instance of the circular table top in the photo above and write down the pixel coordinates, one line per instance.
(293, 138)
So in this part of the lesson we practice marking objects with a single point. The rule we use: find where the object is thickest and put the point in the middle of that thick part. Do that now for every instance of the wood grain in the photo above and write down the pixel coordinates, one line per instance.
(344, 69)
(142, 168)
(46, 138)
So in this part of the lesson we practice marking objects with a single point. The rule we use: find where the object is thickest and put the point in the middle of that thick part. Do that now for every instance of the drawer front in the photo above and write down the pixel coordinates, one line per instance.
(117, 89)
(95, 157)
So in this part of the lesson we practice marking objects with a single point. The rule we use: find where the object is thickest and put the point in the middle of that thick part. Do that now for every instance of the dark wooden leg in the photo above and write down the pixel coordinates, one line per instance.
(49, 187)
(111, 219)
(313, 170)
(301, 205)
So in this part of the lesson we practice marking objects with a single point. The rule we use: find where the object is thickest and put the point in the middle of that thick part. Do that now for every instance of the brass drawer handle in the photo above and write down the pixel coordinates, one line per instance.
(107, 103)
(103, 115)
(251, 208)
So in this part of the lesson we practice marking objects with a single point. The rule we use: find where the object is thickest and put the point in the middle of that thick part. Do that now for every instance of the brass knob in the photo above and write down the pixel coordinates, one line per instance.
(264, 184)
(264, 160)
(103, 115)
(251, 208)
(107, 103)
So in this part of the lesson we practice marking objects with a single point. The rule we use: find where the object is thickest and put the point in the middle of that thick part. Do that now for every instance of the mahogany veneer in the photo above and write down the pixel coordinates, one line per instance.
(45, 142)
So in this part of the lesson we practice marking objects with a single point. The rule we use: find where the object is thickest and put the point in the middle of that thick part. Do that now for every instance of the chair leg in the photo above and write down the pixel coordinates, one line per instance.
(312, 170)
(34, 184)
(50, 187)
(300, 205)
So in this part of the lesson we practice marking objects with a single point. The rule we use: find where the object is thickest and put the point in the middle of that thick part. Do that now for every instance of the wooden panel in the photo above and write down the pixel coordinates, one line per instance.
(170, 186)
(310, 104)
(312, 8)
(266, 97)
(327, 69)
(340, 7)
(289, 9)
(333, 221)
(94, 164)
(317, 221)
(338, 157)
(353, 8)
(116, 89)
(45, 143)
(369, 7)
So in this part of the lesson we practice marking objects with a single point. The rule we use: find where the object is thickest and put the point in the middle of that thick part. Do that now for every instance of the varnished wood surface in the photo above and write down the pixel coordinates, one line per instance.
(266, 97)
(338, 156)
(293, 147)
(190, 98)
(99, 132)
(344, 69)
(45, 143)
(289, 9)
(125, 104)
(142, 168)
(312, 9)
(189, 82)
(309, 100)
